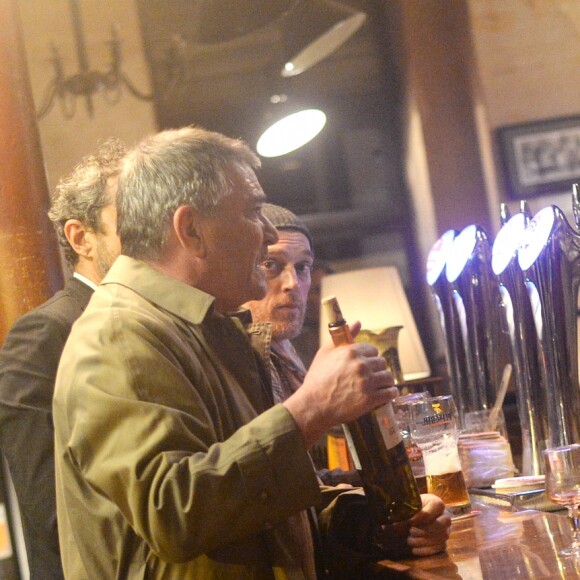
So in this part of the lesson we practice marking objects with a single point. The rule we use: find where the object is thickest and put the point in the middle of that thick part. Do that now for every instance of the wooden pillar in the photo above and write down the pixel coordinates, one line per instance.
(439, 68)
(30, 266)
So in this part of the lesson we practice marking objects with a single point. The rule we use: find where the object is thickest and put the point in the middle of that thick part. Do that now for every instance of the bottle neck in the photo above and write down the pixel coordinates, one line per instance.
(394, 364)
(340, 334)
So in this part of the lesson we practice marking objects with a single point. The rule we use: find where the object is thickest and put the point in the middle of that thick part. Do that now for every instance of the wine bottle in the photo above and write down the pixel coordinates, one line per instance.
(377, 448)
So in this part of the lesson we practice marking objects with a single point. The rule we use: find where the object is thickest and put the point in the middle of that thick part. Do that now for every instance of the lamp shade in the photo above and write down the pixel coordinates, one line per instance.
(376, 297)
(313, 30)
(291, 132)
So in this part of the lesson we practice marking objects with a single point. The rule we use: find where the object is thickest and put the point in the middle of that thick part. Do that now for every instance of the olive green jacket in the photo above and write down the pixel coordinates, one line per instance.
(171, 461)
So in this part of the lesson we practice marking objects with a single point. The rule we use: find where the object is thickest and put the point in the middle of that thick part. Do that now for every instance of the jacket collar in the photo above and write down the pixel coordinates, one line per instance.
(164, 291)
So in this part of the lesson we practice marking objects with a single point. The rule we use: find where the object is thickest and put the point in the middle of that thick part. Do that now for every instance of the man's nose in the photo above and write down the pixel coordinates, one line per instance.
(270, 232)
(289, 276)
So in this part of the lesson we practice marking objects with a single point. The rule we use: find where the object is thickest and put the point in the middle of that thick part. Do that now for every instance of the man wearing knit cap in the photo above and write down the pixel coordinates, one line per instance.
(287, 268)
(281, 312)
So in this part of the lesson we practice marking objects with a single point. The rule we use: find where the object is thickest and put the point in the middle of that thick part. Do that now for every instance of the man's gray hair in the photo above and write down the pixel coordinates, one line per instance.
(83, 193)
(189, 166)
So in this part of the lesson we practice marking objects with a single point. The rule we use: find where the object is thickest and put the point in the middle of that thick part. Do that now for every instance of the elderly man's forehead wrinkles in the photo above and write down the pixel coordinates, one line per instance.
(249, 178)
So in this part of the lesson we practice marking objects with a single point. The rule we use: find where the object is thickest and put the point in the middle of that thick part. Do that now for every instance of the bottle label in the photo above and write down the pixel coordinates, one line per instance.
(416, 460)
(414, 453)
(351, 448)
(388, 425)
(338, 457)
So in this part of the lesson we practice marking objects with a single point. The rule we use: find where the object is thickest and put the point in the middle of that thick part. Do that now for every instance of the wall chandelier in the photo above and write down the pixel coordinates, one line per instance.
(87, 82)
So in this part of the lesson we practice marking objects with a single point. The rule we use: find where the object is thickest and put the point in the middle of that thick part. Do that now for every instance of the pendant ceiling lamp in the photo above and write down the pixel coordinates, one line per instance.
(291, 132)
(313, 30)
(310, 30)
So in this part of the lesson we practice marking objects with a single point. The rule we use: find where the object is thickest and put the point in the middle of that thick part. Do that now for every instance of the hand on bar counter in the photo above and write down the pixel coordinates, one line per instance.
(425, 534)
(353, 543)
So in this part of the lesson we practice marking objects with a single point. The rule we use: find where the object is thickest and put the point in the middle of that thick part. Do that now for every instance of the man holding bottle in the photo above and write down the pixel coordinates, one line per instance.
(172, 460)
(287, 267)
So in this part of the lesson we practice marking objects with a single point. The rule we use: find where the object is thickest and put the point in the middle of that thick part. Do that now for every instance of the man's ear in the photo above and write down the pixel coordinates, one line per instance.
(186, 224)
(76, 234)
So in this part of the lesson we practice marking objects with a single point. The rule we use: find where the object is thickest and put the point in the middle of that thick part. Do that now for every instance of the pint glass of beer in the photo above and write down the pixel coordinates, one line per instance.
(435, 429)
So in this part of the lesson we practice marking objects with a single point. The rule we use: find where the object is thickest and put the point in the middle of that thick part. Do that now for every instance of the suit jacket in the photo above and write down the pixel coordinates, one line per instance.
(28, 364)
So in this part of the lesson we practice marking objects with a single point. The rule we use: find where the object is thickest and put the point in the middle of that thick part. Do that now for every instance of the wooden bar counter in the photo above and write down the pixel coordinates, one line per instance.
(495, 545)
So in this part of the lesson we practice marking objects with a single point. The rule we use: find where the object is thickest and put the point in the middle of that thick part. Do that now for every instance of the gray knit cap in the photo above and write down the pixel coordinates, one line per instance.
(284, 219)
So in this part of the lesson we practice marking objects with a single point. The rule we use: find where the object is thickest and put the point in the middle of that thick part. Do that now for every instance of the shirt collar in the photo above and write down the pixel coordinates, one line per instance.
(84, 279)
(164, 291)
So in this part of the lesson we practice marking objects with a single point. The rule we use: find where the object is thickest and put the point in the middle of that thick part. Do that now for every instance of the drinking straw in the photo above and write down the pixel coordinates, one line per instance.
(503, 385)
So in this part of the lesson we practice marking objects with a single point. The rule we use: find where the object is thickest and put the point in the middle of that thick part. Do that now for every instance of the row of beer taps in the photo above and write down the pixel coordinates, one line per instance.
(514, 300)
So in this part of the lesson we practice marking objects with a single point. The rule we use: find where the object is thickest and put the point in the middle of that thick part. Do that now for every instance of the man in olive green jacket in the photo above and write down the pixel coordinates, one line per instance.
(171, 459)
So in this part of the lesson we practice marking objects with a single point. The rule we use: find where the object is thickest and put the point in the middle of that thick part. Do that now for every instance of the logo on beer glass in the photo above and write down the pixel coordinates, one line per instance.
(442, 419)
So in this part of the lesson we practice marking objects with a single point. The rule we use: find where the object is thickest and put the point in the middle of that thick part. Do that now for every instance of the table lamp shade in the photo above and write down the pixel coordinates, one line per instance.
(376, 297)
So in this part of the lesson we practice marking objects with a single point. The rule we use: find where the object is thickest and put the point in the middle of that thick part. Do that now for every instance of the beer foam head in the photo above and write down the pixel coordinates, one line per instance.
(442, 461)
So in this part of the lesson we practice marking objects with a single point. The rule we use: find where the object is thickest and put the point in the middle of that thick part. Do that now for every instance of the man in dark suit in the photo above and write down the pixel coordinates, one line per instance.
(84, 215)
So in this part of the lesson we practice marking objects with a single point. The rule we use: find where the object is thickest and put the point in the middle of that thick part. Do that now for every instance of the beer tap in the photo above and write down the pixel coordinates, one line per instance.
(519, 326)
(550, 259)
(443, 298)
(504, 213)
(475, 298)
(576, 204)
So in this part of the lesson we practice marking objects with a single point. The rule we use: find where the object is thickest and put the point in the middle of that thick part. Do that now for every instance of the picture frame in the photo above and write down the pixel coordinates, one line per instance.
(540, 157)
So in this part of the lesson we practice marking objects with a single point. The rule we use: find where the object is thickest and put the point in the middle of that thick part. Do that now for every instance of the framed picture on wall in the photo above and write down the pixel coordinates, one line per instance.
(540, 157)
